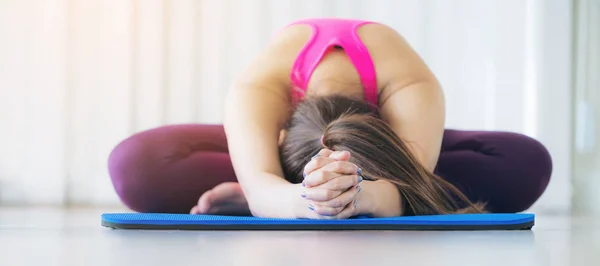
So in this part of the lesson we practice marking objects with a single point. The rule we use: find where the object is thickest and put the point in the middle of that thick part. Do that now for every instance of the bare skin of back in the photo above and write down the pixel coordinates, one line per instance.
(259, 104)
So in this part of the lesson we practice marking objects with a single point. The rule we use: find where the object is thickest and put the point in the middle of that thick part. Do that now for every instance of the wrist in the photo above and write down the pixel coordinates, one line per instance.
(379, 198)
(299, 205)
(274, 199)
(365, 200)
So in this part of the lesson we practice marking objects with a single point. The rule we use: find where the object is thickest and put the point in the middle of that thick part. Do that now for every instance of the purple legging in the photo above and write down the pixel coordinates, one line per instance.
(166, 169)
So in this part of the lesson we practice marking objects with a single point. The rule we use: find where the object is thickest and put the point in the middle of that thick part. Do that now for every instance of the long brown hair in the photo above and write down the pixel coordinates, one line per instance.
(350, 125)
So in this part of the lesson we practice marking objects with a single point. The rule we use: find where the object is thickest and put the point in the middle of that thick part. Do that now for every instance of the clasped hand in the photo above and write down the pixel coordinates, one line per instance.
(331, 185)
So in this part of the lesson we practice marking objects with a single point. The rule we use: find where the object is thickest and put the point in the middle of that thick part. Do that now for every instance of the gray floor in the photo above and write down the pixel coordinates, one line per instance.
(75, 237)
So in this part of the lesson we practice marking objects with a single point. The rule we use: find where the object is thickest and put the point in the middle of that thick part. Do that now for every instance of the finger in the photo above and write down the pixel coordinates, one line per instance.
(342, 200)
(324, 210)
(321, 159)
(341, 167)
(344, 213)
(194, 210)
(316, 164)
(340, 155)
(347, 212)
(324, 153)
(320, 194)
(341, 183)
(319, 177)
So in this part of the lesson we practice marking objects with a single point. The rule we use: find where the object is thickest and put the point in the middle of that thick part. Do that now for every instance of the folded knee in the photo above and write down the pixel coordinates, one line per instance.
(528, 169)
(132, 165)
(534, 160)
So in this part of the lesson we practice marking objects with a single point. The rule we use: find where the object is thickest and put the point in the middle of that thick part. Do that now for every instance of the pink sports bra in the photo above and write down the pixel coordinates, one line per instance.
(328, 33)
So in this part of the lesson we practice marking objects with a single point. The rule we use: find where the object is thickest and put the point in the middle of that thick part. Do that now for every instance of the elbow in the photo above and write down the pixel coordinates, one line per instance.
(255, 210)
(431, 164)
(257, 207)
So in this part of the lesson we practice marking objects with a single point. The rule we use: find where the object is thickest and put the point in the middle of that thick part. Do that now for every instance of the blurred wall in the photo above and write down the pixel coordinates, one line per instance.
(76, 77)
(586, 160)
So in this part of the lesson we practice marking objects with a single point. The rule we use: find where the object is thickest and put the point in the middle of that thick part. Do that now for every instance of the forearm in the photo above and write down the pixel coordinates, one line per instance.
(272, 197)
(379, 199)
(252, 130)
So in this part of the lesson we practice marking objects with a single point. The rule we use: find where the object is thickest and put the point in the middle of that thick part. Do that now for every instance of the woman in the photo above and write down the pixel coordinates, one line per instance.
(357, 96)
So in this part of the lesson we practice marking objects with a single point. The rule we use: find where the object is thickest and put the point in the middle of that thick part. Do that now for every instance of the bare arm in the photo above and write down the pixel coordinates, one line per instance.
(412, 101)
(252, 130)
(257, 107)
(416, 113)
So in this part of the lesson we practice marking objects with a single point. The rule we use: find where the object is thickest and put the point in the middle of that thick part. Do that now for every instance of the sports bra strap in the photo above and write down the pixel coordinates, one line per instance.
(326, 34)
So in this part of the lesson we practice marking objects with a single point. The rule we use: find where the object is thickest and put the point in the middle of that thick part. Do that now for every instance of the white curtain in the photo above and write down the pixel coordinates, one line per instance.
(76, 77)
(586, 181)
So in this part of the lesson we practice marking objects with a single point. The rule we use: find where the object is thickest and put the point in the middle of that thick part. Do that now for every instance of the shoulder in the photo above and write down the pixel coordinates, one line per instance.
(272, 65)
(396, 62)
(378, 31)
(380, 36)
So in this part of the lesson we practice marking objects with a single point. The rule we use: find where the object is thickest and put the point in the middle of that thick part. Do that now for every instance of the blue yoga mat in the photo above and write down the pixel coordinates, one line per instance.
(163, 221)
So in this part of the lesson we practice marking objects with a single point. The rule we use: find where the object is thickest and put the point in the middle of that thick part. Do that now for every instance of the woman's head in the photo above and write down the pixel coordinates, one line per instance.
(350, 125)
